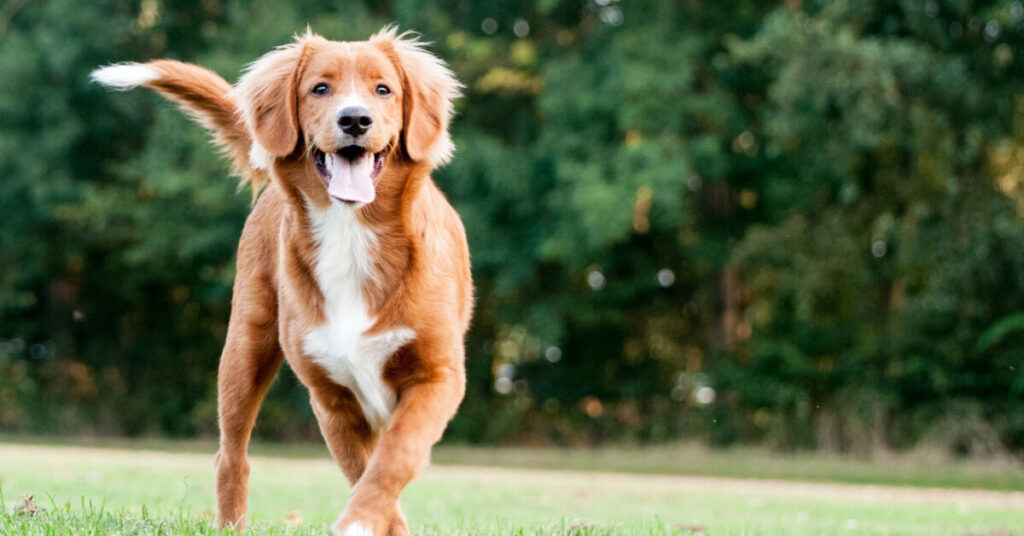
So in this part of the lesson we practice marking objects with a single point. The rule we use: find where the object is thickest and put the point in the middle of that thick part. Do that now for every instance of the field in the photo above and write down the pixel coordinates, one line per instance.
(141, 490)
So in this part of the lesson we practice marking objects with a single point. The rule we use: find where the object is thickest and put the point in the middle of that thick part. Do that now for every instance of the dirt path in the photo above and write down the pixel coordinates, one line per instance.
(755, 487)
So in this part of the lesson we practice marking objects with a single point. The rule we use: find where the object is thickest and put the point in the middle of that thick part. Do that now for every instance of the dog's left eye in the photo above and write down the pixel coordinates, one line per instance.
(383, 91)
(321, 89)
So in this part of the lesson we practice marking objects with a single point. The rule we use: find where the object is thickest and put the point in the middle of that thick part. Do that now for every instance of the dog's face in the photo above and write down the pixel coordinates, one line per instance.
(350, 112)
(349, 109)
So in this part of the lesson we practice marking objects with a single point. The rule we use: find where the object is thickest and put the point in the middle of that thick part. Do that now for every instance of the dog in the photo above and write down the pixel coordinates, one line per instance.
(352, 265)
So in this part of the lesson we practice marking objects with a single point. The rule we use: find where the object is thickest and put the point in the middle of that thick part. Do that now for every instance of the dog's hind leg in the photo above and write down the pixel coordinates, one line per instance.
(346, 432)
(248, 366)
(350, 439)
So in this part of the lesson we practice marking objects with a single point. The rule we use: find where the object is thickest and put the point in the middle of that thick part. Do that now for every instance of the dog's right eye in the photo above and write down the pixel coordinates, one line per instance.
(321, 89)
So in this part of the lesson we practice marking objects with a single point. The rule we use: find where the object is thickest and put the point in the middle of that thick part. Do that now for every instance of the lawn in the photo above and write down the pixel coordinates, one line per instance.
(134, 491)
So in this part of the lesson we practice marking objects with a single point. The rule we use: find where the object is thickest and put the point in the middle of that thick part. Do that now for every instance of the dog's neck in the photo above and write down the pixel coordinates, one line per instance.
(378, 230)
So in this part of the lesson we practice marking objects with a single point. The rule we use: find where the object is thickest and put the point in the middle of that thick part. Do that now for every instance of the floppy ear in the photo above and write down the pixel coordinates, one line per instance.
(266, 95)
(429, 88)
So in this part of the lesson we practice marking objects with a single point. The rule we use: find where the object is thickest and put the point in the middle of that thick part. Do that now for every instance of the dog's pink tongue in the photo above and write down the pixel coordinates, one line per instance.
(350, 179)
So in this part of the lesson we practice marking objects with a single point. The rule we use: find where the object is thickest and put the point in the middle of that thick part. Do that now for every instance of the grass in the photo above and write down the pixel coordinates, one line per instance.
(114, 490)
(920, 468)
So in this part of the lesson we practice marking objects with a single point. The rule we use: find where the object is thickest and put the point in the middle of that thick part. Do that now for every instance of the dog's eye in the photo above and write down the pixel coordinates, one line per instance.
(321, 89)
(383, 91)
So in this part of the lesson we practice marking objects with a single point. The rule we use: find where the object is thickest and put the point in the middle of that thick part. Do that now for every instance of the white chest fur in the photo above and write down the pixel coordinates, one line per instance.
(351, 358)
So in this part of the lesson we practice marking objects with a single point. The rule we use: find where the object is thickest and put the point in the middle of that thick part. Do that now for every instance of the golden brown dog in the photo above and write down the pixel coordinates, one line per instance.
(352, 265)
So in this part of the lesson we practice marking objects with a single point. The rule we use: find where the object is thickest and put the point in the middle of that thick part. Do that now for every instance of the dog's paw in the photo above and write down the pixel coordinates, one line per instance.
(399, 526)
(399, 530)
(351, 529)
(364, 524)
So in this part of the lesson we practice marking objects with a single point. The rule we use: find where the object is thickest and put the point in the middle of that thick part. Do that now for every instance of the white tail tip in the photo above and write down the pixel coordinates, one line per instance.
(124, 75)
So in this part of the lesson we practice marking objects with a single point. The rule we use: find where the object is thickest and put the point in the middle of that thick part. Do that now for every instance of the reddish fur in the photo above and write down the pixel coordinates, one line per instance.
(208, 98)
(422, 265)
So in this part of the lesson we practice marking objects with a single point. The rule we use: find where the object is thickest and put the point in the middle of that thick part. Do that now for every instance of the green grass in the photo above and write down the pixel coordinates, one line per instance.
(123, 491)
(920, 468)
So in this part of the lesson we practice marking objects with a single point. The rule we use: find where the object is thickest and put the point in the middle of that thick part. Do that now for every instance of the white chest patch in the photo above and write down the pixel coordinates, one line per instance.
(351, 358)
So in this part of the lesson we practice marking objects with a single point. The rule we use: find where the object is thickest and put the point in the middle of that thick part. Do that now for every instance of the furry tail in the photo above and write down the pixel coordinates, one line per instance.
(206, 97)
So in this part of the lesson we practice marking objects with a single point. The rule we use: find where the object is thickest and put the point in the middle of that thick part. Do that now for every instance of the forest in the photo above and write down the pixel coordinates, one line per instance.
(791, 223)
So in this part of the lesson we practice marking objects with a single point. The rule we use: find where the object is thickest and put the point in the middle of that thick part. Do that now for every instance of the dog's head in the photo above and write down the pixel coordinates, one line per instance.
(349, 109)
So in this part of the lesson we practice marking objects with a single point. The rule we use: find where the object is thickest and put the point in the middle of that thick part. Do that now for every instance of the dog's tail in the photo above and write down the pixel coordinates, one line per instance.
(205, 96)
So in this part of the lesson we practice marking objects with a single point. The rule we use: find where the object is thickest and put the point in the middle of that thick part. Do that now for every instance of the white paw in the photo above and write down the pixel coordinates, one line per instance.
(355, 529)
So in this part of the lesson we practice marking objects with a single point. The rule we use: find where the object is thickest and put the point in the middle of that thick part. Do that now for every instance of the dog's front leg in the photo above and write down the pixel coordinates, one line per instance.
(420, 417)
(248, 366)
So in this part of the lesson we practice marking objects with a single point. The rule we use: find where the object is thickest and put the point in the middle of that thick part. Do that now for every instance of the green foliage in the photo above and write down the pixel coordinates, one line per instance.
(811, 210)
(889, 248)
(999, 331)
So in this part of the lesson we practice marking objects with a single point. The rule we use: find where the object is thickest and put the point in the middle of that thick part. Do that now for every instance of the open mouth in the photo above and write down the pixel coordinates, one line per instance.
(350, 173)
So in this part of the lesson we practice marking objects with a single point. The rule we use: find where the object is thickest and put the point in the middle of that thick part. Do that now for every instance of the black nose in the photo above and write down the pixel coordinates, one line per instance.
(355, 120)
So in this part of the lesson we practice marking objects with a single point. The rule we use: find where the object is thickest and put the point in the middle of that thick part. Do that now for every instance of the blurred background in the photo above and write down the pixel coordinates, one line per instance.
(794, 224)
